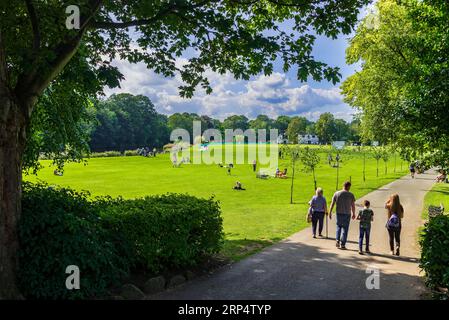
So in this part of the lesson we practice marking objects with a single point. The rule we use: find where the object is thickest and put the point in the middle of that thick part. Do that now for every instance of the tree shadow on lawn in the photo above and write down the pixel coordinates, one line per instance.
(441, 192)
(366, 190)
(237, 249)
(292, 271)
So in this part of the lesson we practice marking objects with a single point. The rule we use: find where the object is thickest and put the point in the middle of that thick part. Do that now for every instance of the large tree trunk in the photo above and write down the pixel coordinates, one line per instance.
(12, 143)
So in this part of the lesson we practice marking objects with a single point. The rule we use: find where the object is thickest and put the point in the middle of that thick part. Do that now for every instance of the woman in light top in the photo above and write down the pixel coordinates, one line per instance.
(319, 209)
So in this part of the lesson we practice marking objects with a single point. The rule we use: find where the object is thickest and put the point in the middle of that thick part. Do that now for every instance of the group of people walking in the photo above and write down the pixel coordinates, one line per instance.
(344, 203)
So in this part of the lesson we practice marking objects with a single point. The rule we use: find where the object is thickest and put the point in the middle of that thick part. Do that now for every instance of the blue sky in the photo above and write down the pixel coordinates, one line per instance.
(278, 94)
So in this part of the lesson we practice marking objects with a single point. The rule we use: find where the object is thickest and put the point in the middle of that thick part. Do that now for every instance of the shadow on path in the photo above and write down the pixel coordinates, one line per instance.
(291, 270)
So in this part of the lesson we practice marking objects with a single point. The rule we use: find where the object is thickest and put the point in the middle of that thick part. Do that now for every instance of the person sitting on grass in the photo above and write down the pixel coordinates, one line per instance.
(238, 186)
(281, 174)
(278, 172)
(57, 173)
(365, 216)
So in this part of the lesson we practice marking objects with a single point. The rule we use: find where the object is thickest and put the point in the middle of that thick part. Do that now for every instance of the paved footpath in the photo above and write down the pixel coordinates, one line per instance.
(301, 267)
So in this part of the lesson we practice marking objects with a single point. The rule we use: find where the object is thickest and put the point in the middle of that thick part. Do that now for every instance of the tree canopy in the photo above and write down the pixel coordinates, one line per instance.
(40, 55)
(401, 89)
(128, 122)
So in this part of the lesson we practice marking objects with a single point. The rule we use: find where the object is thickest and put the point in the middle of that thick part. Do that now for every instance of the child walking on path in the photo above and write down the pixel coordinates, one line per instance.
(366, 216)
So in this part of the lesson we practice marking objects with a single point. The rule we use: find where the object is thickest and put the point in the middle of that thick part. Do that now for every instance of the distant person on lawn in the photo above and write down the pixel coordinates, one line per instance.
(394, 223)
(254, 165)
(344, 201)
(366, 216)
(238, 186)
(319, 209)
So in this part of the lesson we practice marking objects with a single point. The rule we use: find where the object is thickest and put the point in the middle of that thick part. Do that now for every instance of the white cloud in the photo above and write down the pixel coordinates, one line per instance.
(272, 95)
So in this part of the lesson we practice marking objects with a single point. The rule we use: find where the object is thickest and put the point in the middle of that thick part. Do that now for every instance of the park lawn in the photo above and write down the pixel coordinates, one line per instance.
(437, 196)
(253, 218)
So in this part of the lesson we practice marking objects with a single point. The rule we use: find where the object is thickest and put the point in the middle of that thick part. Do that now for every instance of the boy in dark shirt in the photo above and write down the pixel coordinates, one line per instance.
(366, 215)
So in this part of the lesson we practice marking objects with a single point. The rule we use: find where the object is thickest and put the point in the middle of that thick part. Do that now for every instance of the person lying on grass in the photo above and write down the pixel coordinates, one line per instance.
(238, 186)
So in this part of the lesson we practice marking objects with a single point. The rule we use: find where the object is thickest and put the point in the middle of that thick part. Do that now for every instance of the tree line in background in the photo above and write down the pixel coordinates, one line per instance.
(125, 122)
(49, 72)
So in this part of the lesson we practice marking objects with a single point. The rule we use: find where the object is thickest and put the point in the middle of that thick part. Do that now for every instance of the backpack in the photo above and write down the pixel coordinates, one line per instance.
(394, 223)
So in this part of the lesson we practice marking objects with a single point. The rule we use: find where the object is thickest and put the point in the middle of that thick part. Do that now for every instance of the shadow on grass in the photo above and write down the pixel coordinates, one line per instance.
(238, 249)
(441, 192)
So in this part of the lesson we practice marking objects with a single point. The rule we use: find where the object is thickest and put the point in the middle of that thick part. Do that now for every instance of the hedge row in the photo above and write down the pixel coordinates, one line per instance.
(435, 251)
(108, 238)
(105, 154)
(168, 231)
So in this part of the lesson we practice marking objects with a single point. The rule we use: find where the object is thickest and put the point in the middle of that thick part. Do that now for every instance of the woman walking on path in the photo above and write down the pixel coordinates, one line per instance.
(319, 209)
(394, 223)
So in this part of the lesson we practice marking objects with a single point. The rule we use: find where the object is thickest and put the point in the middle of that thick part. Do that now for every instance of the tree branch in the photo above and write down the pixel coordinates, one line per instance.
(169, 9)
(34, 25)
(4, 81)
(30, 86)
(290, 4)
(95, 6)
(3, 65)
(398, 51)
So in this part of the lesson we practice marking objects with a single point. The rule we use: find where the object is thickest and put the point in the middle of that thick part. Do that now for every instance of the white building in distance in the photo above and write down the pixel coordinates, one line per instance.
(308, 139)
(282, 140)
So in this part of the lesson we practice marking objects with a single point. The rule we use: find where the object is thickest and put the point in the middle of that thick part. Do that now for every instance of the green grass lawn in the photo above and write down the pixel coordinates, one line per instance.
(253, 218)
(437, 196)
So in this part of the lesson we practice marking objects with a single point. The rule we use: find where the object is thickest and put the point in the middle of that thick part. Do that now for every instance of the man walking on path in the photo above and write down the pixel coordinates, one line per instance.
(344, 201)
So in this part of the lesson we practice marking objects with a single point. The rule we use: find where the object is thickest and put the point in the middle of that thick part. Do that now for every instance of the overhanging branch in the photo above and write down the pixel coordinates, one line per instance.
(172, 7)
(34, 24)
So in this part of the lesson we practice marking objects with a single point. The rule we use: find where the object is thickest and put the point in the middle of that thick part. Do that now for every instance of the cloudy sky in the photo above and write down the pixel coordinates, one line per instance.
(278, 94)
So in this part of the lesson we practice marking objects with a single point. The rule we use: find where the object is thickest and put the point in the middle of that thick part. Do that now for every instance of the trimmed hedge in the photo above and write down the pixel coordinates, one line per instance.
(167, 231)
(104, 154)
(58, 228)
(435, 251)
(107, 238)
(131, 153)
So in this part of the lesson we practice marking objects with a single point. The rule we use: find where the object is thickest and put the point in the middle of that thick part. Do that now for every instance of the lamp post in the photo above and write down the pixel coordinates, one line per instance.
(339, 145)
